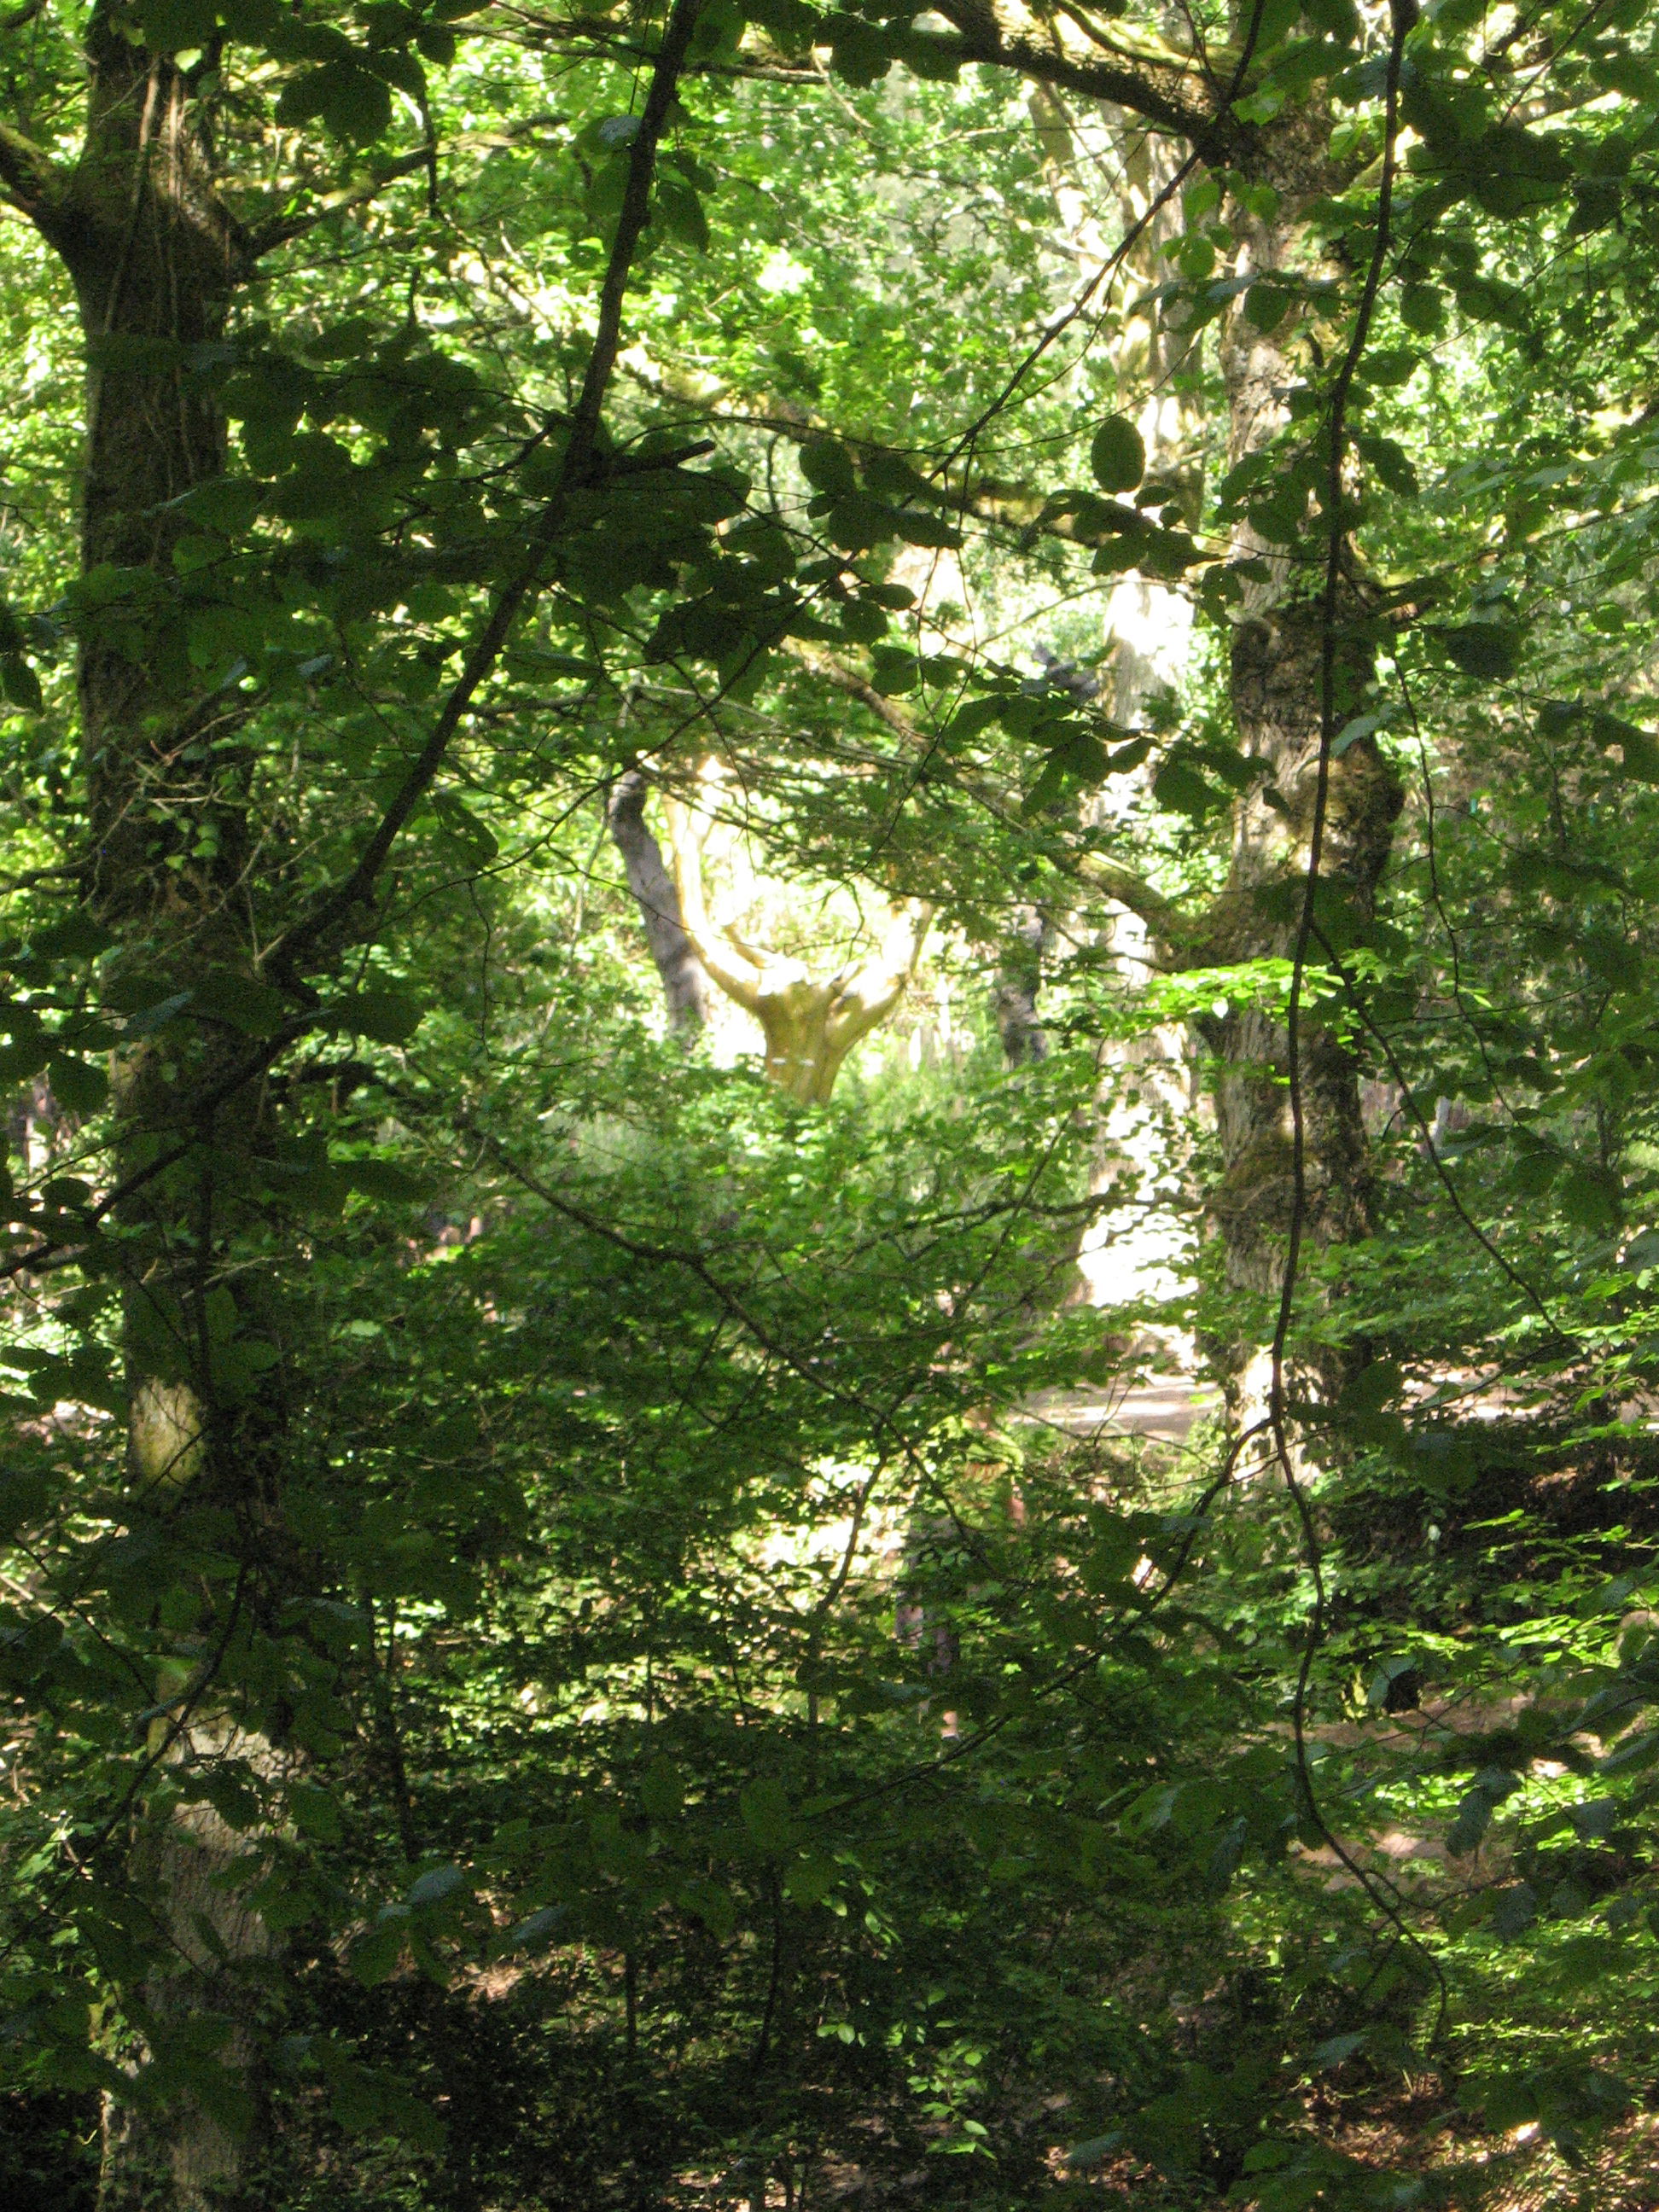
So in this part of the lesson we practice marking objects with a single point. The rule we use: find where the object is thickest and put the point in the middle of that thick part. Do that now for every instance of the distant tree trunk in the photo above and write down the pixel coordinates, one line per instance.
(810, 1023)
(684, 986)
(1018, 980)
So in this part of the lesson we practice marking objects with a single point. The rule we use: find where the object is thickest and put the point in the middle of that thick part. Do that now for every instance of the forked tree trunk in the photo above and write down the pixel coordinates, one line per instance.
(810, 1023)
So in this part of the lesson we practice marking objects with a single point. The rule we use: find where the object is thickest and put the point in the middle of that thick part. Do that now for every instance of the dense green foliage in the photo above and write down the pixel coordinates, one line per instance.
(565, 1640)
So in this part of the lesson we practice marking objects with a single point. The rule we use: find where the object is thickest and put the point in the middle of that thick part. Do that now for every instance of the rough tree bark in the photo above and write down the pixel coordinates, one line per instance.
(155, 258)
(1192, 99)
(1276, 662)
(1276, 656)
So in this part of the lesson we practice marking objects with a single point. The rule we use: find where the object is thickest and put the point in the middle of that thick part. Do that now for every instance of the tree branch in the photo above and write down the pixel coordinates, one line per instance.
(282, 230)
(1154, 88)
(1160, 915)
(30, 181)
(1173, 928)
(687, 831)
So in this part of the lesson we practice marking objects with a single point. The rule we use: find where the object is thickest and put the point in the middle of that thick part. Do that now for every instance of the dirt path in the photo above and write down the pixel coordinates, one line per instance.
(1165, 1408)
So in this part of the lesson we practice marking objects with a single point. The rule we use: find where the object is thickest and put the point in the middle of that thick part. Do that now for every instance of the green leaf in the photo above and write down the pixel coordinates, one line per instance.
(436, 1886)
(313, 1812)
(765, 1808)
(375, 1956)
(662, 1790)
(239, 1001)
(351, 101)
(1491, 651)
(383, 1178)
(680, 212)
(76, 1084)
(1180, 789)
(917, 528)
(828, 467)
(1639, 748)
(1590, 1198)
(711, 1904)
(385, 1017)
(1117, 454)
(77, 935)
(539, 1928)
(23, 1499)
(20, 683)
(170, 26)
(856, 523)
(860, 52)
(1266, 304)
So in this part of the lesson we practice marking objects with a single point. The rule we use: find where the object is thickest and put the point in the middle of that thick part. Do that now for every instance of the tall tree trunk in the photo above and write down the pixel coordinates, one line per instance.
(156, 259)
(1276, 686)
(1275, 675)
(1132, 1252)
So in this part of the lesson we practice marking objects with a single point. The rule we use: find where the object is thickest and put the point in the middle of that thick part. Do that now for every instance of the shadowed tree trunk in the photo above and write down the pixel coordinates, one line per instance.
(1276, 659)
(1018, 980)
(1276, 688)
(155, 258)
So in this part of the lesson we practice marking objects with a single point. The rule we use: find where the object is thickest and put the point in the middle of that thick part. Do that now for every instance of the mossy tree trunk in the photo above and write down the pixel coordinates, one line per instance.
(156, 259)
(1278, 657)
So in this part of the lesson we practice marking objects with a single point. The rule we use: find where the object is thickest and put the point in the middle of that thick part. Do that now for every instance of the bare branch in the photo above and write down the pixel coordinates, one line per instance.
(282, 230)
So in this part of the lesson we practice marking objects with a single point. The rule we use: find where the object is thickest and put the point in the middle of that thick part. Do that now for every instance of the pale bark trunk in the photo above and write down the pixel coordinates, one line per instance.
(1134, 1253)
(684, 988)
(810, 1025)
